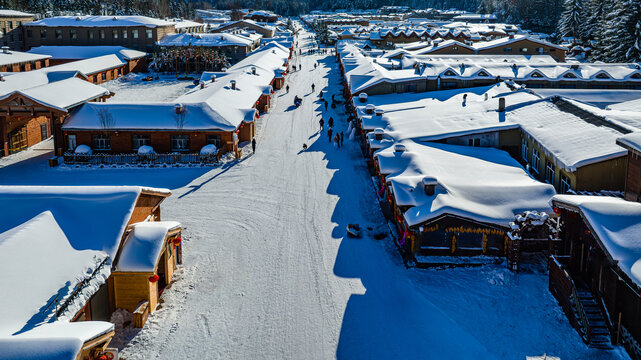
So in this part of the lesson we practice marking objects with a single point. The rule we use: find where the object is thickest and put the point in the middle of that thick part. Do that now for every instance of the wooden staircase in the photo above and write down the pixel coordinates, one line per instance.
(595, 329)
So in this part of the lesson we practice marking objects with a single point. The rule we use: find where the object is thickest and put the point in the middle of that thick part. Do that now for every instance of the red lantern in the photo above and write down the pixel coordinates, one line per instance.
(557, 210)
(587, 232)
(177, 240)
(153, 278)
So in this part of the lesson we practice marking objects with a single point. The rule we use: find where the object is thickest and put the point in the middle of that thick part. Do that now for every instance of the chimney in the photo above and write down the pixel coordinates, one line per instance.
(378, 134)
(253, 70)
(233, 84)
(429, 185)
(362, 97)
(202, 85)
(5, 50)
(179, 108)
(400, 148)
(501, 104)
(379, 112)
(213, 78)
(369, 109)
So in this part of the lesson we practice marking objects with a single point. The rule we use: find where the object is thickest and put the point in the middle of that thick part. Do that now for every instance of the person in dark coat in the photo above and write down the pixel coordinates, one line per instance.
(325, 101)
(331, 122)
(329, 134)
(340, 143)
(321, 122)
(254, 145)
(287, 88)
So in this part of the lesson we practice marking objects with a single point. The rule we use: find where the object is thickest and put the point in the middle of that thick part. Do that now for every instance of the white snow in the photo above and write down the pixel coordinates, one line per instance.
(501, 188)
(269, 273)
(146, 150)
(38, 253)
(16, 57)
(131, 89)
(83, 149)
(143, 246)
(86, 52)
(207, 40)
(208, 149)
(617, 225)
(100, 21)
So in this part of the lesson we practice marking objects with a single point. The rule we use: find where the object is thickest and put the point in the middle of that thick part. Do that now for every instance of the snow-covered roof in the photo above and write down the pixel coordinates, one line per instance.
(101, 21)
(157, 116)
(13, 13)
(183, 24)
(65, 94)
(86, 52)
(209, 40)
(442, 45)
(55, 341)
(500, 189)
(511, 40)
(90, 66)
(42, 270)
(616, 224)
(17, 57)
(569, 139)
(611, 99)
(143, 246)
(76, 210)
(413, 58)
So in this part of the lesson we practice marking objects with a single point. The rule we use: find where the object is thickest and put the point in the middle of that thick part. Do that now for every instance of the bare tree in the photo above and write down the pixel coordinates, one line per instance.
(105, 119)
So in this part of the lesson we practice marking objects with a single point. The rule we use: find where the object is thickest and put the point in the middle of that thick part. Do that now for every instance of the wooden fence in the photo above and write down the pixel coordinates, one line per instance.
(135, 159)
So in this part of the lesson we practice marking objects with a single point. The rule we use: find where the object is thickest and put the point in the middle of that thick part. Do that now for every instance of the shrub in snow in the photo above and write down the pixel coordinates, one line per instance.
(146, 150)
(208, 150)
(83, 149)
(120, 317)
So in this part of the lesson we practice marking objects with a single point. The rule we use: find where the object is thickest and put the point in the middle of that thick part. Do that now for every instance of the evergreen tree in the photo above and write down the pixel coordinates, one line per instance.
(571, 21)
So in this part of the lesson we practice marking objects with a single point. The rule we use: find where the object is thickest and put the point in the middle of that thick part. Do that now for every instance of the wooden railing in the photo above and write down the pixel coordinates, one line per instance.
(135, 159)
(564, 290)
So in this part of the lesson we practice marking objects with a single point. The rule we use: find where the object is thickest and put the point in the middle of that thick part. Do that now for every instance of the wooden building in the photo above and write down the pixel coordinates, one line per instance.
(131, 60)
(134, 32)
(522, 45)
(246, 25)
(15, 61)
(11, 22)
(632, 142)
(135, 253)
(438, 211)
(593, 273)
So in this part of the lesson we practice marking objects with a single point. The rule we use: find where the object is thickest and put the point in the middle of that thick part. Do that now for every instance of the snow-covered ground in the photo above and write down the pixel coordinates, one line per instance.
(131, 88)
(269, 274)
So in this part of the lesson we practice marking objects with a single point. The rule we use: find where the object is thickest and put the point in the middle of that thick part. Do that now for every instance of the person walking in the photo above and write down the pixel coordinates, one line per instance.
(254, 145)
(313, 87)
(329, 134)
(321, 122)
(325, 104)
(300, 66)
(340, 143)
(331, 122)
(287, 88)
(336, 140)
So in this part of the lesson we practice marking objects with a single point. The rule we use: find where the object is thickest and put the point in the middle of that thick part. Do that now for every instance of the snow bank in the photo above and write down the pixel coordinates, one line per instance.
(143, 246)
(83, 149)
(208, 150)
(146, 150)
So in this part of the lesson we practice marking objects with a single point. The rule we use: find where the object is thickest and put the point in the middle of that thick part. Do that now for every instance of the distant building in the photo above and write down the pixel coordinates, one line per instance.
(11, 22)
(247, 25)
(134, 32)
(262, 16)
(236, 47)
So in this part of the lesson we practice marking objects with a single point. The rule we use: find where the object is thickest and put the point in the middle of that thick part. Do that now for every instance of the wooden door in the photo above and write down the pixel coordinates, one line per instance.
(18, 140)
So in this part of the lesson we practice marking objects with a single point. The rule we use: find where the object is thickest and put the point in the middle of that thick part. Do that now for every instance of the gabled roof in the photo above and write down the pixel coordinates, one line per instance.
(17, 57)
(143, 246)
(511, 40)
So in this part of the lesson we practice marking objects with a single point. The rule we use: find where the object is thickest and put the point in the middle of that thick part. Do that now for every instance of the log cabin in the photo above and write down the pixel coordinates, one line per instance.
(438, 211)
(594, 274)
(15, 61)
(132, 60)
(107, 255)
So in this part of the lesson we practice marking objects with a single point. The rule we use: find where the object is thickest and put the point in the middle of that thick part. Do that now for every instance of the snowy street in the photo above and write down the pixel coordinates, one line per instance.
(269, 272)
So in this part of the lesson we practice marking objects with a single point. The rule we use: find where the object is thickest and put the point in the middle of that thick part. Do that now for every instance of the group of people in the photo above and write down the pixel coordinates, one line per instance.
(338, 136)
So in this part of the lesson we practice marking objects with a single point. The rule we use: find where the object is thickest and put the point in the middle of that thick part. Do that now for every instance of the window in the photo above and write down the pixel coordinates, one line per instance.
(114, 34)
(569, 76)
(454, 47)
(101, 142)
(483, 73)
(43, 33)
(507, 49)
(476, 142)
(149, 33)
(565, 184)
(73, 33)
(179, 142)
(140, 140)
(536, 74)
(214, 140)
(90, 34)
(540, 50)
(602, 76)
(124, 34)
(536, 160)
(134, 33)
(549, 172)
(58, 34)
(523, 49)
(104, 76)
(524, 149)
(102, 34)
(10, 24)
(71, 142)
(449, 73)
(43, 131)
(30, 33)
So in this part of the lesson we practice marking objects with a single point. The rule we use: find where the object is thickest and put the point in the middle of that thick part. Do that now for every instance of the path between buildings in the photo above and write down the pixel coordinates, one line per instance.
(268, 270)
